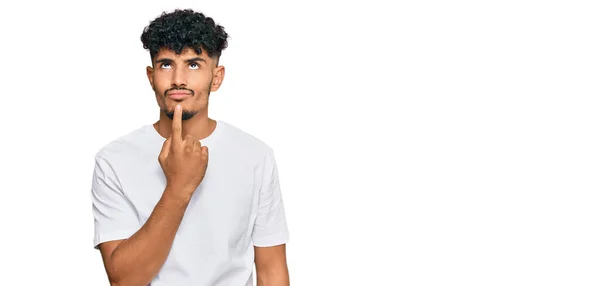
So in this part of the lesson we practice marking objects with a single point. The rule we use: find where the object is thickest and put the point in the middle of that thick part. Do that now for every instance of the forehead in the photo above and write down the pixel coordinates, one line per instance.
(185, 54)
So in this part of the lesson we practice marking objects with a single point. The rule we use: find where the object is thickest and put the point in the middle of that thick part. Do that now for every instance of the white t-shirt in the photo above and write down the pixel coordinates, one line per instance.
(237, 206)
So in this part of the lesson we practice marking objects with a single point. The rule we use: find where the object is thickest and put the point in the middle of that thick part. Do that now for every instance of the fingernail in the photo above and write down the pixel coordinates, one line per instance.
(178, 107)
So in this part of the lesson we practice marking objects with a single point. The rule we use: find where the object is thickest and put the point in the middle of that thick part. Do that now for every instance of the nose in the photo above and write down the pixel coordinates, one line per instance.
(179, 78)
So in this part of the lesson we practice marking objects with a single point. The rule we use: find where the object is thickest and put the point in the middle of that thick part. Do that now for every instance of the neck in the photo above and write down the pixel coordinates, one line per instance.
(199, 127)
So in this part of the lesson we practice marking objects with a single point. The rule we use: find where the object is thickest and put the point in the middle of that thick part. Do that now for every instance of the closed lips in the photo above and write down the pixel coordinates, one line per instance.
(178, 94)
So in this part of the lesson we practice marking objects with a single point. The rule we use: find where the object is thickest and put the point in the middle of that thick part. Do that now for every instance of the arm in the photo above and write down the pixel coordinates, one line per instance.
(136, 260)
(134, 256)
(271, 266)
(270, 233)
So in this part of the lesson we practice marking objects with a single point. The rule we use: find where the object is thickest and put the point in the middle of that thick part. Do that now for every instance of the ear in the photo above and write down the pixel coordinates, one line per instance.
(218, 76)
(150, 73)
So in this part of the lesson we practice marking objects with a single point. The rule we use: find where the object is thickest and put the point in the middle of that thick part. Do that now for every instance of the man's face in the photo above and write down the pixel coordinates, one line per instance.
(186, 79)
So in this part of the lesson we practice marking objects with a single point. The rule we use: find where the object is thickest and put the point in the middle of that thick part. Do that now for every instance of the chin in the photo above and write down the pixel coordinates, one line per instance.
(187, 114)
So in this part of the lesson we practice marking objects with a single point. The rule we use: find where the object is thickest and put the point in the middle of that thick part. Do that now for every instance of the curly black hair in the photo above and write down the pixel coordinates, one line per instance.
(182, 29)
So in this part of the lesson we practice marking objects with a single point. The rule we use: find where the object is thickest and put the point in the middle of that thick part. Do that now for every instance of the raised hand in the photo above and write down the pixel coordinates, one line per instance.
(183, 160)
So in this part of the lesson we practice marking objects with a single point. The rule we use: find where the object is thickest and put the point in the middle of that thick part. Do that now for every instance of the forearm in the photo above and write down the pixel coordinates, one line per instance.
(274, 277)
(138, 259)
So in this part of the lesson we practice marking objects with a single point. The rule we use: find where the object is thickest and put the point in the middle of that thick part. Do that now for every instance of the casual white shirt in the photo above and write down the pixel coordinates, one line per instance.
(237, 206)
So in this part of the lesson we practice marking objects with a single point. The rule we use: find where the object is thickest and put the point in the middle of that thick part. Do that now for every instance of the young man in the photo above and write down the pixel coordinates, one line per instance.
(188, 200)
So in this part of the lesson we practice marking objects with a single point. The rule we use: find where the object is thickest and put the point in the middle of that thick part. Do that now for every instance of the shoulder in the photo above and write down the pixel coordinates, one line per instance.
(238, 138)
(125, 145)
(244, 146)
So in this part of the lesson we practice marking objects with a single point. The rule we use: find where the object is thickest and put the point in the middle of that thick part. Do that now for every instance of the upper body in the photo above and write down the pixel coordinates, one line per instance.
(238, 205)
(188, 200)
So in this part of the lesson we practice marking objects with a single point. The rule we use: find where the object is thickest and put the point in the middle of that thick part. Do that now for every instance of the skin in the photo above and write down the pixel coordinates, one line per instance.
(192, 73)
(137, 260)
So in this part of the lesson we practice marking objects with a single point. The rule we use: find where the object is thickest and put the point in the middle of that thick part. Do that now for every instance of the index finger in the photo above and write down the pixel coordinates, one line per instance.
(176, 128)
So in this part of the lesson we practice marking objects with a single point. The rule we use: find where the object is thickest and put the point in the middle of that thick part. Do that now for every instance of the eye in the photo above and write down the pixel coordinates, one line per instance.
(194, 66)
(165, 65)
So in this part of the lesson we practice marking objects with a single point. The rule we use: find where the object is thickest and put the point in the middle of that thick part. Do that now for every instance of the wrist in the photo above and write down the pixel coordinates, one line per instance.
(179, 192)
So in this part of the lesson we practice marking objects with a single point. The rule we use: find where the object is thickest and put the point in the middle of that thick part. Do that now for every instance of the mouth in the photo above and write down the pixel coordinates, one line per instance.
(178, 95)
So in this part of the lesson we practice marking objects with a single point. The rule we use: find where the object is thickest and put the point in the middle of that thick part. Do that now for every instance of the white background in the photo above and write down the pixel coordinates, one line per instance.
(430, 143)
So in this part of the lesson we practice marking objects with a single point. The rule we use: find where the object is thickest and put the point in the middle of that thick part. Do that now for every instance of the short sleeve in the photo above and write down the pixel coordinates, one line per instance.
(114, 216)
(270, 226)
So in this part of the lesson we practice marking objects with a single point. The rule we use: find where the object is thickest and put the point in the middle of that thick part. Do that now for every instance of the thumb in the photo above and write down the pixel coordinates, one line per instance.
(164, 152)
(205, 154)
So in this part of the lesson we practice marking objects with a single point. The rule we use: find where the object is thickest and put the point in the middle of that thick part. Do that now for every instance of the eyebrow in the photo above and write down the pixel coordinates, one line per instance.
(168, 60)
